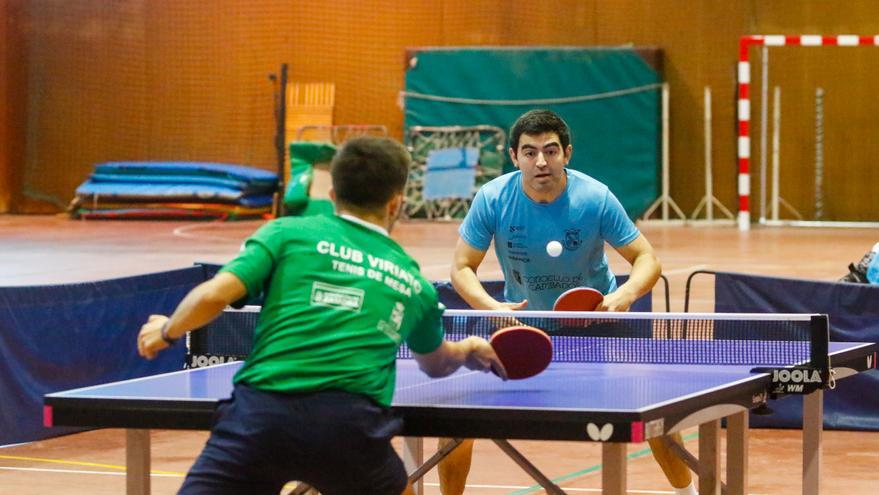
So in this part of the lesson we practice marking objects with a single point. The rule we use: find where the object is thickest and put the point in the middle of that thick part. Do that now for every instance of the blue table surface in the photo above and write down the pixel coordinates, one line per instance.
(562, 386)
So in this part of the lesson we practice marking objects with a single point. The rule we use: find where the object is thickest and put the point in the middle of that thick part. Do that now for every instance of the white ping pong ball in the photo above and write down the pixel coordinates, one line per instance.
(554, 248)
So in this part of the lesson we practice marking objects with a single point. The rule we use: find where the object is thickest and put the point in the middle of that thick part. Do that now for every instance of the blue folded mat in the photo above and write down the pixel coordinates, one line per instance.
(175, 190)
(237, 174)
(249, 188)
(119, 191)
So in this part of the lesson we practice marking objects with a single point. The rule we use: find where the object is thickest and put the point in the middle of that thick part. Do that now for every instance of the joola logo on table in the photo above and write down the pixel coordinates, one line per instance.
(203, 360)
(796, 376)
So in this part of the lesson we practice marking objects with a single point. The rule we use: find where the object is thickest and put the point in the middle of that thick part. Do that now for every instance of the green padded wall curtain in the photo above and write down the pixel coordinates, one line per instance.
(610, 98)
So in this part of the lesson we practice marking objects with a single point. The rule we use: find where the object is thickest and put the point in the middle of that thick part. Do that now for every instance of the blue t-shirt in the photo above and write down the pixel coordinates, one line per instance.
(873, 267)
(582, 219)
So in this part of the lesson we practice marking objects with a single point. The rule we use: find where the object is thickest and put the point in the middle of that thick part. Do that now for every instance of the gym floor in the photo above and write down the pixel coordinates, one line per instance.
(38, 250)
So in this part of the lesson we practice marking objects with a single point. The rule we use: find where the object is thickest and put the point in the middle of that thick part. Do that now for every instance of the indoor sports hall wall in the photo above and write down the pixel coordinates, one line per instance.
(11, 87)
(86, 81)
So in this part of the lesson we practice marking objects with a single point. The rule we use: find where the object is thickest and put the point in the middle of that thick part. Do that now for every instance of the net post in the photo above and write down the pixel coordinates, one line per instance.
(820, 344)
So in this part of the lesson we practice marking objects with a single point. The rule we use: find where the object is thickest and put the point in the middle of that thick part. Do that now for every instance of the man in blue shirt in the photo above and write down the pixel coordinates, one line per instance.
(523, 212)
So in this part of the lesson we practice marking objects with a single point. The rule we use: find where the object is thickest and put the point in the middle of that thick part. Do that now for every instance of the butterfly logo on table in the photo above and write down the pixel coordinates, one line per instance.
(599, 433)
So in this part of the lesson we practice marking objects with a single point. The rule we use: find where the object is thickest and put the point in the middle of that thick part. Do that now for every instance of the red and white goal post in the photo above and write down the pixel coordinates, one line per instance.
(744, 98)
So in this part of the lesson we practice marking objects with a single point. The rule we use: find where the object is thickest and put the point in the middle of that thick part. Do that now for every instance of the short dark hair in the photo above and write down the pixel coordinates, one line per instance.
(368, 171)
(539, 121)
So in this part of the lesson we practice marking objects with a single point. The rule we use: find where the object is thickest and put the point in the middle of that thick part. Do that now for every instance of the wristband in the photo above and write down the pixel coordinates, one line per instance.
(168, 340)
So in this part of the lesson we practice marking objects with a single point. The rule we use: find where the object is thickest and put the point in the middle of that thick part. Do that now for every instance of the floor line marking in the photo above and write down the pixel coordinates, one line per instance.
(77, 463)
(82, 471)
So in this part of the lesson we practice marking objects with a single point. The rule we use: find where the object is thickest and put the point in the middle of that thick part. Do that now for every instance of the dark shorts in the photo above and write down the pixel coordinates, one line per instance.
(337, 442)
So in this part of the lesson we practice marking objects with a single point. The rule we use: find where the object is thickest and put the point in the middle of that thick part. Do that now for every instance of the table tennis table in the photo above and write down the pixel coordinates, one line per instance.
(616, 378)
(611, 403)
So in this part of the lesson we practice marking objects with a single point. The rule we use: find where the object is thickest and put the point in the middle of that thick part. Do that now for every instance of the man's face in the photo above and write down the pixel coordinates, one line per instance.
(542, 161)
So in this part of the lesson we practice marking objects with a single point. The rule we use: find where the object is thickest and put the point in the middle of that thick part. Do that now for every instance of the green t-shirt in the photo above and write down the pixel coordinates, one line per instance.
(340, 298)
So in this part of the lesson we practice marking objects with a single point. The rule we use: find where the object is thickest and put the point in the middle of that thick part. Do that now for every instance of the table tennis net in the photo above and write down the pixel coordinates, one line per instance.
(655, 338)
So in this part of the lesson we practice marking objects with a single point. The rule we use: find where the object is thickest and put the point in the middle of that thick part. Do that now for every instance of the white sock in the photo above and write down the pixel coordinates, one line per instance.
(687, 490)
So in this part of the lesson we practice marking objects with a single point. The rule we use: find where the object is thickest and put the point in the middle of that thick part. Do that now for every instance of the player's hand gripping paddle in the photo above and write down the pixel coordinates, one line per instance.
(524, 351)
(578, 299)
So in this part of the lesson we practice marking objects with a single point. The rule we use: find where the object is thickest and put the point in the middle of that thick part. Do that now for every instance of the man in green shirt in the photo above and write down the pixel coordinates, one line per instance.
(311, 402)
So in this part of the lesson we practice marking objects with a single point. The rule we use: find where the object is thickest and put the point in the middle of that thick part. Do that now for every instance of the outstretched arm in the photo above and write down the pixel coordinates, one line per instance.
(203, 303)
(465, 262)
(645, 272)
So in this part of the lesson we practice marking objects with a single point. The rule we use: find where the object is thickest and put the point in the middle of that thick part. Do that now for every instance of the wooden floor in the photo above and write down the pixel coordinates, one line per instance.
(38, 250)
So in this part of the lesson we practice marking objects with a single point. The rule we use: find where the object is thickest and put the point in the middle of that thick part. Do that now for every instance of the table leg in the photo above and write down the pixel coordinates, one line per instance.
(526, 465)
(737, 454)
(613, 469)
(813, 428)
(413, 457)
(709, 458)
(137, 462)
(440, 454)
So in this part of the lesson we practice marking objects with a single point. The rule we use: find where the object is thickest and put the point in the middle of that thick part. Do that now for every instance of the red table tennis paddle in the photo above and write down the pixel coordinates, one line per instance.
(524, 351)
(578, 299)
